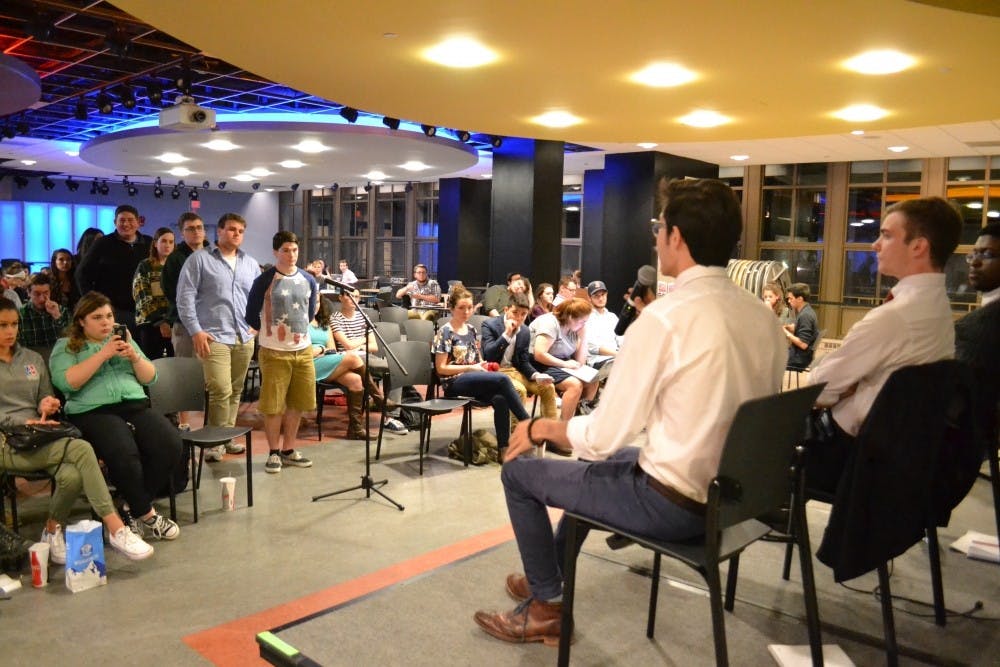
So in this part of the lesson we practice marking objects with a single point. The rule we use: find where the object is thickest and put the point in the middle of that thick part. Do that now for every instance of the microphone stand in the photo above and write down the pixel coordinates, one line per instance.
(367, 483)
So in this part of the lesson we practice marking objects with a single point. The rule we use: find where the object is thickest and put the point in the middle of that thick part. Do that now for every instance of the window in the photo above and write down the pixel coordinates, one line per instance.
(973, 187)
(30, 231)
(426, 237)
(354, 209)
(572, 228)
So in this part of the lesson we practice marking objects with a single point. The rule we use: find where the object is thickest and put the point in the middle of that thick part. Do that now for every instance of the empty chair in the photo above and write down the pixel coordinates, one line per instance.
(394, 314)
(419, 330)
(372, 314)
(180, 387)
(390, 331)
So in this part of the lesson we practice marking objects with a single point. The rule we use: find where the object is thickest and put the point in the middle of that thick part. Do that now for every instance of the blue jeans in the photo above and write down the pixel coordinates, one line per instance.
(614, 492)
(495, 388)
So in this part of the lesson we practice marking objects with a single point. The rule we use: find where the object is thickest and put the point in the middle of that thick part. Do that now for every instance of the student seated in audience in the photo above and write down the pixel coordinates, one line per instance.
(348, 327)
(543, 300)
(559, 344)
(506, 341)
(62, 269)
(495, 300)
(43, 320)
(102, 376)
(344, 368)
(346, 275)
(567, 290)
(601, 338)
(152, 308)
(771, 296)
(459, 363)
(27, 398)
(421, 290)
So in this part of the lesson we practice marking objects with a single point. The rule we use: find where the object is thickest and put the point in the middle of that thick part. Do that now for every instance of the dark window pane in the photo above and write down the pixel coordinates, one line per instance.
(971, 168)
(777, 214)
(570, 261)
(320, 249)
(357, 258)
(811, 174)
(995, 168)
(803, 266)
(810, 214)
(970, 206)
(860, 274)
(864, 213)
(956, 280)
(731, 176)
(904, 171)
(388, 258)
(867, 172)
(779, 174)
(571, 213)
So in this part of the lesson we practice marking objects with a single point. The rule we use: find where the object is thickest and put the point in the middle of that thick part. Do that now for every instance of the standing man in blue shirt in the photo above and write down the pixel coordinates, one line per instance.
(212, 303)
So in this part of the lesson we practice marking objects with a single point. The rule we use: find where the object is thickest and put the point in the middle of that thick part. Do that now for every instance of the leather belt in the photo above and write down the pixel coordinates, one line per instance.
(672, 494)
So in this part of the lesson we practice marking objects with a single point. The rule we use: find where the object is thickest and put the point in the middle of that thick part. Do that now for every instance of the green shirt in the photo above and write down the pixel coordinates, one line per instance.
(113, 382)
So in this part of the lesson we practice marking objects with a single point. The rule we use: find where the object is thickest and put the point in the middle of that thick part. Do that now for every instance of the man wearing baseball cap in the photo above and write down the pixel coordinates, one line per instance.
(601, 338)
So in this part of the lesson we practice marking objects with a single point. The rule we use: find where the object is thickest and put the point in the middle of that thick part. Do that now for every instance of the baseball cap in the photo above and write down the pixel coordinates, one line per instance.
(595, 287)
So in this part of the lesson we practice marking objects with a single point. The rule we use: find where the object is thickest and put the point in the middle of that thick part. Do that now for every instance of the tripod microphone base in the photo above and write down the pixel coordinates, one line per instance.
(369, 485)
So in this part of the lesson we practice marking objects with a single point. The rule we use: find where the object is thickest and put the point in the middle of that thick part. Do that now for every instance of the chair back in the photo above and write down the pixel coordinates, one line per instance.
(416, 358)
(753, 476)
(179, 386)
(390, 331)
(394, 314)
(371, 313)
(476, 322)
(419, 330)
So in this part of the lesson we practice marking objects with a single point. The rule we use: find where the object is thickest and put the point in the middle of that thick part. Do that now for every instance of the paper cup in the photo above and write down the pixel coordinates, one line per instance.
(39, 553)
(228, 493)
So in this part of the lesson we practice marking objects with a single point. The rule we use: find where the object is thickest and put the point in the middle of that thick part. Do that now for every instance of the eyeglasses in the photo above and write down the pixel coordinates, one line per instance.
(655, 227)
(194, 228)
(981, 255)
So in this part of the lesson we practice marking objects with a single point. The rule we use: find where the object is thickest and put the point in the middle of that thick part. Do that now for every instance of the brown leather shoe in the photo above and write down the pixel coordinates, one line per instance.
(517, 587)
(531, 621)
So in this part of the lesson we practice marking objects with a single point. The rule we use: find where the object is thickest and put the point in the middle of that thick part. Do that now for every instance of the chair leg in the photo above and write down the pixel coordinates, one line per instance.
(249, 453)
(891, 649)
(994, 457)
(466, 434)
(381, 430)
(731, 576)
(320, 395)
(654, 592)
(718, 618)
(194, 480)
(569, 590)
(937, 586)
(800, 530)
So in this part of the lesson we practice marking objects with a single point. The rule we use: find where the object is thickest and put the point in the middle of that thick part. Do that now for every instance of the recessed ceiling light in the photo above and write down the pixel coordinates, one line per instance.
(739, 158)
(243, 178)
(268, 189)
(220, 145)
(486, 176)
(171, 158)
(572, 209)
(867, 221)
(292, 164)
(881, 61)
(319, 186)
(856, 224)
(414, 165)
(180, 171)
(977, 205)
(857, 133)
(993, 214)
(861, 112)
(375, 175)
(899, 149)
(647, 145)
(556, 119)
(29, 162)
(704, 118)
(463, 52)
(73, 153)
(310, 146)
(663, 75)
(259, 172)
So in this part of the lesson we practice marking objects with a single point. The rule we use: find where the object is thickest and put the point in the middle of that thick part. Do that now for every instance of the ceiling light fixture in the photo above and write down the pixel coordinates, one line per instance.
(647, 145)
(879, 61)
(180, 171)
(222, 185)
(704, 118)
(861, 113)
(81, 109)
(390, 122)
(21, 182)
(463, 135)
(414, 165)
(104, 189)
(255, 186)
(460, 52)
(158, 192)
(375, 175)
(243, 178)
(857, 133)
(220, 145)
(739, 158)
(408, 187)
(126, 96)
(205, 185)
(556, 119)
(48, 183)
(349, 114)
(260, 172)
(28, 163)
(663, 75)
(104, 104)
(899, 149)
(93, 187)
(154, 92)
(175, 193)
(429, 130)
(295, 187)
(72, 185)
(292, 164)
(495, 141)
(193, 194)
(132, 190)
(368, 187)
(334, 187)
(310, 146)
(171, 158)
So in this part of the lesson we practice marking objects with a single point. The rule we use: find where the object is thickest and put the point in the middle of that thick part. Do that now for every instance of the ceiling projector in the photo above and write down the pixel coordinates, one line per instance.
(187, 116)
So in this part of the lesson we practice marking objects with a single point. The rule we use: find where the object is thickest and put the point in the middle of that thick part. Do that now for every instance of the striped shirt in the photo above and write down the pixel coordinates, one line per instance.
(353, 327)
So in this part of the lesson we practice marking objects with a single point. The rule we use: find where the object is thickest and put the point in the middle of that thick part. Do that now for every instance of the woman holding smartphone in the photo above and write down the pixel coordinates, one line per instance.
(102, 371)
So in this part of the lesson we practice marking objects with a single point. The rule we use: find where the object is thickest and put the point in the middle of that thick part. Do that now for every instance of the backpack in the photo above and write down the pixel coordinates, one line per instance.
(484, 448)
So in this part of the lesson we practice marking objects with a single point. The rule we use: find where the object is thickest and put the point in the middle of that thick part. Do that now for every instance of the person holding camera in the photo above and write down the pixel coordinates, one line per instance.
(101, 371)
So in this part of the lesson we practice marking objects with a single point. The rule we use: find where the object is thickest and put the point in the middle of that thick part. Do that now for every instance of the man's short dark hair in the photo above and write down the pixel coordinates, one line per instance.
(40, 279)
(936, 220)
(992, 229)
(799, 290)
(518, 300)
(185, 217)
(126, 208)
(283, 237)
(708, 215)
(226, 217)
(7, 304)
(512, 275)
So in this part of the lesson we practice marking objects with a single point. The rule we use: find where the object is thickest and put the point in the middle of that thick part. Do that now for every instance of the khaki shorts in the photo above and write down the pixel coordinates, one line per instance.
(287, 381)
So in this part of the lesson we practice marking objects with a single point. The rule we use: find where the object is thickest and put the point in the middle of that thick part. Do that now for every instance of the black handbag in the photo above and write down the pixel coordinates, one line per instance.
(25, 438)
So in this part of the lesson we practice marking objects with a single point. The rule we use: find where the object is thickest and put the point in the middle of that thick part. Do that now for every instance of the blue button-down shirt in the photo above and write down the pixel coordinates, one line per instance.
(212, 297)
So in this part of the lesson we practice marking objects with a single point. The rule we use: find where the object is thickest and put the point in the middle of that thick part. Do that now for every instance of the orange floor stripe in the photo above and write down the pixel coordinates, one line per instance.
(233, 643)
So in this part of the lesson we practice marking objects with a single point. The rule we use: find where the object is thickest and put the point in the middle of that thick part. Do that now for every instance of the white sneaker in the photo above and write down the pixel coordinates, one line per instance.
(130, 545)
(273, 463)
(57, 545)
(214, 454)
(395, 426)
(235, 447)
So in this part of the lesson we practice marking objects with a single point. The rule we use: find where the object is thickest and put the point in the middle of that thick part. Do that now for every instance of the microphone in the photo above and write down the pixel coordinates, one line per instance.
(341, 285)
(646, 275)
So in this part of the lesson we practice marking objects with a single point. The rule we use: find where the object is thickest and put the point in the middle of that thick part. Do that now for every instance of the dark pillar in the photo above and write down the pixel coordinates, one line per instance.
(622, 243)
(527, 209)
(463, 230)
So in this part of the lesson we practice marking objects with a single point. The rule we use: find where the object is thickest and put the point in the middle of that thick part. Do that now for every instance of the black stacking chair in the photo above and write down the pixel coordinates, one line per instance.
(419, 330)
(393, 314)
(8, 489)
(180, 387)
(758, 457)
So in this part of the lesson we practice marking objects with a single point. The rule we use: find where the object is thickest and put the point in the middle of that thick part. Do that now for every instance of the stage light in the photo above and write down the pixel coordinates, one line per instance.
(349, 114)
(126, 95)
(8, 131)
(154, 91)
(158, 192)
(48, 183)
(193, 194)
(72, 185)
(132, 190)
(205, 185)
(495, 141)
(429, 130)
(295, 186)
(183, 79)
(463, 135)
(368, 187)
(104, 104)
(175, 193)
(255, 186)
(22, 127)
(93, 187)
(222, 185)
(21, 182)
(409, 187)
(81, 109)
(118, 42)
(390, 122)
(334, 187)
(104, 189)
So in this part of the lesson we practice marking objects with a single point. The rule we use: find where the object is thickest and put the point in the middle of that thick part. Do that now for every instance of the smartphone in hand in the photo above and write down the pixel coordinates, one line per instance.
(120, 330)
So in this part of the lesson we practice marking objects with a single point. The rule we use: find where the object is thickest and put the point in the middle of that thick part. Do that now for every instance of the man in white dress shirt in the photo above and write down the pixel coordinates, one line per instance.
(913, 326)
(664, 378)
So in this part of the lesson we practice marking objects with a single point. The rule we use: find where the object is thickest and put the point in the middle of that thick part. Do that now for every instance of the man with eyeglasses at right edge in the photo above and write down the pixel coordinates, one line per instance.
(977, 335)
